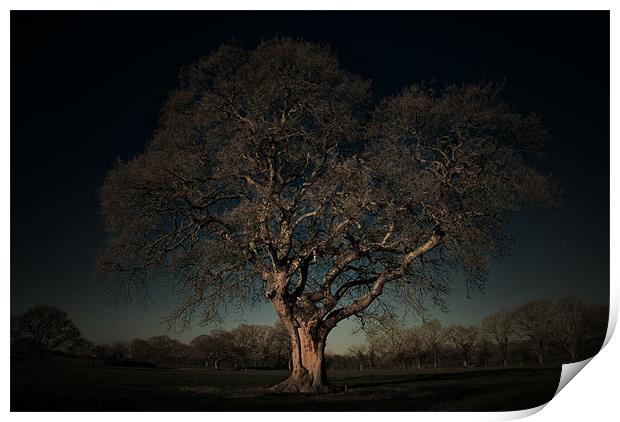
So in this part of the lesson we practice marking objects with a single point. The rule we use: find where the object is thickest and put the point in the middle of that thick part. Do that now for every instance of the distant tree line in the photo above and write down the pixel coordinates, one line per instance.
(45, 330)
(246, 346)
(538, 332)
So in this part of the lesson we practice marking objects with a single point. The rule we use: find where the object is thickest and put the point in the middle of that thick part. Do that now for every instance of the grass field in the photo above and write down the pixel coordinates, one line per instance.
(73, 385)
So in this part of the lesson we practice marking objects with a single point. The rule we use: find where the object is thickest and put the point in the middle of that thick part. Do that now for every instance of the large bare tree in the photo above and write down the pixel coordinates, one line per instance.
(270, 175)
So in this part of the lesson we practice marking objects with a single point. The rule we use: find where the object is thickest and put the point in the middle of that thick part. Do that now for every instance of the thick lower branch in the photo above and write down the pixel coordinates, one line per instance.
(376, 290)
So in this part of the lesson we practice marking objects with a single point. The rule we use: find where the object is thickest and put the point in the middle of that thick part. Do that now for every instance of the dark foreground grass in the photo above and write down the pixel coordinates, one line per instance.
(73, 385)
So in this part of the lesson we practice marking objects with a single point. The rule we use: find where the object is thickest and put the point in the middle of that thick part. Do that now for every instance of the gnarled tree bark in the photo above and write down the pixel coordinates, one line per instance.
(308, 374)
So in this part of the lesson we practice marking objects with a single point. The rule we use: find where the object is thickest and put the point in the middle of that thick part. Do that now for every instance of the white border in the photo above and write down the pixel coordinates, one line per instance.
(309, 5)
(592, 395)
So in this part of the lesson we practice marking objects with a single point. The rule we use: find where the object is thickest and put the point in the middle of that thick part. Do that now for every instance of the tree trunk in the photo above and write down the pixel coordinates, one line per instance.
(541, 351)
(504, 350)
(308, 373)
(307, 362)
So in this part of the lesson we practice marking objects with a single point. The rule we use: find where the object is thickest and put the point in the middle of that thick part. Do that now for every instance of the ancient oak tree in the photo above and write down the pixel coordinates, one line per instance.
(274, 173)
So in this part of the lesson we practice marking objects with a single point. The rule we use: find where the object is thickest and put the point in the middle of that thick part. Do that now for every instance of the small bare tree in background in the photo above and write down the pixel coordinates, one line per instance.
(464, 340)
(271, 176)
(217, 347)
(142, 351)
(500, 327)
(414, 344)
(205, 347)
(361, 354)
(433, 338)
(82, 348)
(535, 321)
(46, 328)
(483, 349)
(280, 346)
(386, 338)
(570, 322)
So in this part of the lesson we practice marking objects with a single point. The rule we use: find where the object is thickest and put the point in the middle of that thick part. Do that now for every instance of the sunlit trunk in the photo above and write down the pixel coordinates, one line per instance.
(308, 374)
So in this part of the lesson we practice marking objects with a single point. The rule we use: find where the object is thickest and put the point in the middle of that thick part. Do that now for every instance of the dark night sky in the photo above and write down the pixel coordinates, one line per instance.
(86, 89)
